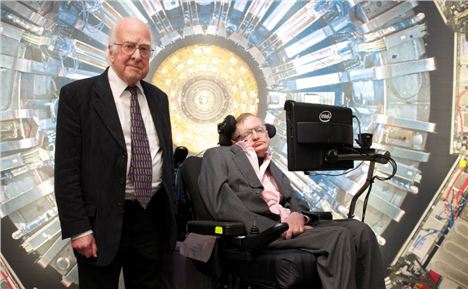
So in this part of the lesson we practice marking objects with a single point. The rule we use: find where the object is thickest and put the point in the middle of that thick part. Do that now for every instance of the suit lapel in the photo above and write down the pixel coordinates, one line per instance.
(278, 176)
(104, 105)
(244, 166)
(154, 105)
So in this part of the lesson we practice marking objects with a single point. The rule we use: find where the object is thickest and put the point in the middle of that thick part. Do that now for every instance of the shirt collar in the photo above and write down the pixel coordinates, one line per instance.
(118, 86)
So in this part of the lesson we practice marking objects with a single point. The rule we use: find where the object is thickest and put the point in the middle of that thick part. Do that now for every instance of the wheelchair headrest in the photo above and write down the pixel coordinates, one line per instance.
(180, 153)
(227, 128)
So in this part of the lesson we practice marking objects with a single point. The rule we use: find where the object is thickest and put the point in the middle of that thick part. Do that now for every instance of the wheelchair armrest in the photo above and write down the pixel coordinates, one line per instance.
(217, 228)
(315, 217)
(250, 242)
(254, 242)
(323, 215)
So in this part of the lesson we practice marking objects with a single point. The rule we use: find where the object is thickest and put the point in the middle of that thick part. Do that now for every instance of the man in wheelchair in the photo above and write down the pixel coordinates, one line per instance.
(240, 183)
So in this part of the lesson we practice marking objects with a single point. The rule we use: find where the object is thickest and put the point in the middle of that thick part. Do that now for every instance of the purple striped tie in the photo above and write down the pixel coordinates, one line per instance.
(140, 172)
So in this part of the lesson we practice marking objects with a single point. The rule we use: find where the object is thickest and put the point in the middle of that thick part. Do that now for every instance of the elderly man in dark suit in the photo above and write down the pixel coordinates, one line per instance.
(241, 183)
(113, 167)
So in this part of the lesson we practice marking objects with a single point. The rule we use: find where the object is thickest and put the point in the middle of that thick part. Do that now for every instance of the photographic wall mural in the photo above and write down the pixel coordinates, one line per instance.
(215, 58)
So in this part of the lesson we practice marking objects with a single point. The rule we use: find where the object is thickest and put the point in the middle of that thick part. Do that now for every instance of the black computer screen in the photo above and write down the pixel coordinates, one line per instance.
(313, 131)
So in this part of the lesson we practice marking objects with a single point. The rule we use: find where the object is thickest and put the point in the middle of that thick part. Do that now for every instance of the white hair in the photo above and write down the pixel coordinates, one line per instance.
(113, 33)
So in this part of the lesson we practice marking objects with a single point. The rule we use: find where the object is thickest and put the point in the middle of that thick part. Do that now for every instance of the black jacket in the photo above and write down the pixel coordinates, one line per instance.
(91, 160)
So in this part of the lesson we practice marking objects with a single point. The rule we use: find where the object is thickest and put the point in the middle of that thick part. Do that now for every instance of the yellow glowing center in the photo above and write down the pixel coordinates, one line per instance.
(204, 84)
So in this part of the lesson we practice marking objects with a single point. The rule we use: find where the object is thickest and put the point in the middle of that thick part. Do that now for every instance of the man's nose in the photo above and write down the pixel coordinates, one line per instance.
(136, 54)
(255, 135)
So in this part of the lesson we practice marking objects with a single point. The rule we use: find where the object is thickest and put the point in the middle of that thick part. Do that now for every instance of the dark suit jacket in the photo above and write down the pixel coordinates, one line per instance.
(231, 190)
(91, 160)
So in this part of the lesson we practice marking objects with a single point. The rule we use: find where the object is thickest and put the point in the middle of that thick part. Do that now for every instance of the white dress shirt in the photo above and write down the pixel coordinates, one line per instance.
(122, 98)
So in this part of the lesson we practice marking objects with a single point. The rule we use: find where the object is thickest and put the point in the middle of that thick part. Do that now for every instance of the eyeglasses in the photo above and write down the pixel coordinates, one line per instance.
(129, 48)
(259, 131)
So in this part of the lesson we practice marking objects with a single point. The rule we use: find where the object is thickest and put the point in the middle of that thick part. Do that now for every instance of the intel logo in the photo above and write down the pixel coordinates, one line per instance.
(325, 116)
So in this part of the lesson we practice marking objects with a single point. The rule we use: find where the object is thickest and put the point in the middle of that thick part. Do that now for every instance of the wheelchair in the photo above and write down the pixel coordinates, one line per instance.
(242, 259)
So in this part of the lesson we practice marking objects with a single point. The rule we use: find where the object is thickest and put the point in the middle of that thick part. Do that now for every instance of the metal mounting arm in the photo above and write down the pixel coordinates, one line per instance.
(367, 155)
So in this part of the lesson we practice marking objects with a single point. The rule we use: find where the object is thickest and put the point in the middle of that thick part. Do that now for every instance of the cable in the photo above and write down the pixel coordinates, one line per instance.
(364, 206)
(359, 123)
(420, 239)
(394, 168)
(459, 110)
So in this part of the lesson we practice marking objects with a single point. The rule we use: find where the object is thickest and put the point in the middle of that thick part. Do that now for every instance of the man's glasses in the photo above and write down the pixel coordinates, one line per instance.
(129, 48)
(248, 135)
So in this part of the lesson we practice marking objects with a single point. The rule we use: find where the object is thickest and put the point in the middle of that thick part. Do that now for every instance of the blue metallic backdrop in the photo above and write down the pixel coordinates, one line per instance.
(370, 56)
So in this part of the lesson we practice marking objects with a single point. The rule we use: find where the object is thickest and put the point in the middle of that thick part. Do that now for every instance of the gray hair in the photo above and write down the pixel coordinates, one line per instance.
(239, 120)
(113, 33)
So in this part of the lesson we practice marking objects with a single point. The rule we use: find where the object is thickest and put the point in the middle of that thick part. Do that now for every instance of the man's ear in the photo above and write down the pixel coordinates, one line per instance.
(110, 54)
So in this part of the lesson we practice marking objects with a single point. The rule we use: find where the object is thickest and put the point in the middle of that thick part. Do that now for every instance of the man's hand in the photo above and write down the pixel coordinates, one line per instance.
(86, 246)
(296, 225)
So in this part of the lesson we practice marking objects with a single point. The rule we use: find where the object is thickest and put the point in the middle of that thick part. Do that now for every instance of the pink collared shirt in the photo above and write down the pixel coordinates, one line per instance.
(271, 194)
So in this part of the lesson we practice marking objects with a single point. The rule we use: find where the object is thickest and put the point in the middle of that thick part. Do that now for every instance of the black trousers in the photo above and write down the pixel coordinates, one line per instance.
(348, 255)
(139, 254)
